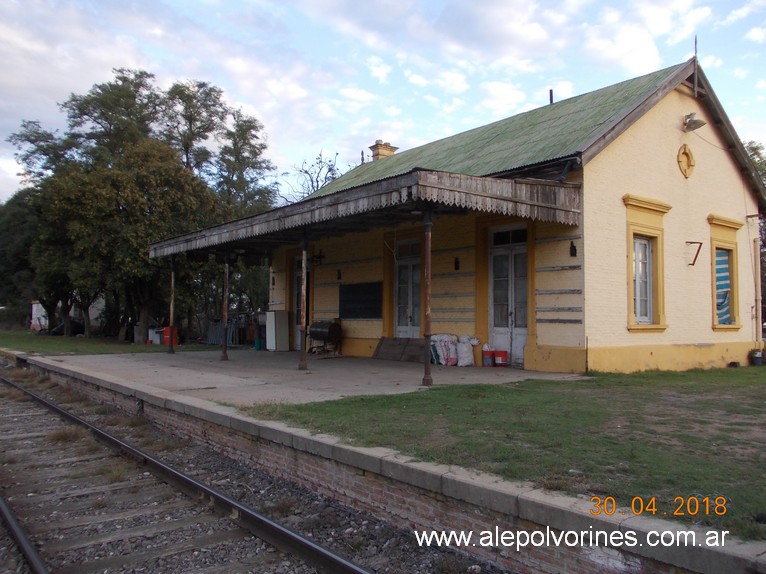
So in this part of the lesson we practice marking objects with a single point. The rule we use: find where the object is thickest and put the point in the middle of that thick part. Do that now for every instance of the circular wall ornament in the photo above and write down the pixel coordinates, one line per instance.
(685, 160)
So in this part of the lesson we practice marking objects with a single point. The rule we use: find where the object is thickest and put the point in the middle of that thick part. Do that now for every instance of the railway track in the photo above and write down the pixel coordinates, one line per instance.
(89, 507)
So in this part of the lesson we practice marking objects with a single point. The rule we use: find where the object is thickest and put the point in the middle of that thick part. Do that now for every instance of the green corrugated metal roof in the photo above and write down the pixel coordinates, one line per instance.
(548, 133)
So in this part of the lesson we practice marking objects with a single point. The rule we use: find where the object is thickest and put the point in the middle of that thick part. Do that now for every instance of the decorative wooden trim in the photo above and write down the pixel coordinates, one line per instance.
(527, 198)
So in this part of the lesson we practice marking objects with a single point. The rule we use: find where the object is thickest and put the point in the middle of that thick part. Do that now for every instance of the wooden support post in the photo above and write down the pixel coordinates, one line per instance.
(172, 301)
(225, 313)
(302, 364)
(427, 226)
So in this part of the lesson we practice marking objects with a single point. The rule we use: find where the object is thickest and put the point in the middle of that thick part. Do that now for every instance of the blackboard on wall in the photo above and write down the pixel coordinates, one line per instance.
(361, 301)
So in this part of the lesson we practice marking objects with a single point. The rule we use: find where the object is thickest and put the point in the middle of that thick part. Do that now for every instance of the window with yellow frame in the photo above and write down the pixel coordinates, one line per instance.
(723, 263)
(645, 256)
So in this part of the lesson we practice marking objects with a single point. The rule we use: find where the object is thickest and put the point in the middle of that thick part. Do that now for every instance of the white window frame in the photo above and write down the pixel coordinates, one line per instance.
(643, 275)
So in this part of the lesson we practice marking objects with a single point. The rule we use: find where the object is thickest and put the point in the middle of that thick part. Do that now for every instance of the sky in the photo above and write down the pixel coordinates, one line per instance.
(333, 76)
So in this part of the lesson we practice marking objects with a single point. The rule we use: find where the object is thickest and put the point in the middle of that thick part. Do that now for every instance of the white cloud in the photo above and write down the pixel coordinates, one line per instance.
(687, 23)
(451, 81)
(357, 95)
(326, 110)
(354, 99)
(741, 73)
(502, 97)
(379, 69)
(563, 89)
(710, 62)
(286, 89)
(674, 20)
(623, 44)
(453, 105)
(757, 35)
(415, 79)
(743, 12)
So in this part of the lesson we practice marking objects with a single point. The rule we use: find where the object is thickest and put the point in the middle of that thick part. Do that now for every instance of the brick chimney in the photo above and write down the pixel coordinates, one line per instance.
(381, 150)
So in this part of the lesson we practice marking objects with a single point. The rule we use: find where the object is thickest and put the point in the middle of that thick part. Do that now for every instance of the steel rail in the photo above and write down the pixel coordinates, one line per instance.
(272, 532)
(22, 540)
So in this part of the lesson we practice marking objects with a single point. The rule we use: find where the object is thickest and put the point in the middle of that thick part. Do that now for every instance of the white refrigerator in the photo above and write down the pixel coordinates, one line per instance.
(277, 331)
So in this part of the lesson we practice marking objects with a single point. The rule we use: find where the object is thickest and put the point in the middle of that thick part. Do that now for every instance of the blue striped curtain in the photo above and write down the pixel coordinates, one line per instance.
(723, 286)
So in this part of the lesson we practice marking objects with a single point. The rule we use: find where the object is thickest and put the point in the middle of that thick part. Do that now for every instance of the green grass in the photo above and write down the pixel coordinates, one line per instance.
(31, 342)
(658, 434)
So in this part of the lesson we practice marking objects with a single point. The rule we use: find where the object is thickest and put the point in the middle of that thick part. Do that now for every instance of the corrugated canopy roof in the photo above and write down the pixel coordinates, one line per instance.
(556, 131)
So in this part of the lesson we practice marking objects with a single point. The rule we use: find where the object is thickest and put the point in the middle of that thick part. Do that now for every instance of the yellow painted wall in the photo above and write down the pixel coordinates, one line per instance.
(556, 340)
(579, 306)
(459, 292)
(643, 162)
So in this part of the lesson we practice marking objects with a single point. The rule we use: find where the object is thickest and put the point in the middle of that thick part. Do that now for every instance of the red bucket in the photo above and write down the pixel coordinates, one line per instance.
(166, 336)
(501, 358)
(488, 358)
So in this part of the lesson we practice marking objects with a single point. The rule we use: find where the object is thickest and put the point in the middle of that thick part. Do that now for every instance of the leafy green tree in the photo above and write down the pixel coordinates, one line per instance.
(194, 112)
(18, 230)
(758, 157)
(113, 213)
(50, 255)
(241, 168)
(114, 114)
(134, 166)
(40, 151)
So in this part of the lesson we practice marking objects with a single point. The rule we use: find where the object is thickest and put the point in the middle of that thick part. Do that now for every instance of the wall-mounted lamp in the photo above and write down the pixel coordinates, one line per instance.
(691, 122)
(457, 264)
(572, 249)
(318, 258)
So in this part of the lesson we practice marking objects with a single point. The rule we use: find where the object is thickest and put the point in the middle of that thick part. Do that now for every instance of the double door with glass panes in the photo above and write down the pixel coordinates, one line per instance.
(508, 294)
(407, 295)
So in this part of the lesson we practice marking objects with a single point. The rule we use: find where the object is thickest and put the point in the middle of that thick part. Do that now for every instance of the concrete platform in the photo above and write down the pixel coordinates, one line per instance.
(250, 376)
(195, 384)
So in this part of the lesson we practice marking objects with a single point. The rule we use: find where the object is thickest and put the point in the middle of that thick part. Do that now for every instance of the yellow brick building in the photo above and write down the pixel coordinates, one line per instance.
(613, 231)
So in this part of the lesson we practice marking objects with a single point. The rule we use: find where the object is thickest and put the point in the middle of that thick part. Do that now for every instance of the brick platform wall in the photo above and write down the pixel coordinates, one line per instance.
(401, 504)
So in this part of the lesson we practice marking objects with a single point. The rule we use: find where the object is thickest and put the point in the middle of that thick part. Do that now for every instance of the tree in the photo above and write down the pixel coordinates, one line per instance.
(241, 168)
(313, 176)
(135, 165)
(194, 112)
(50, 255)
(758, 157)
(114, 114)
(18, 230)
(40, 151)
(145, 196)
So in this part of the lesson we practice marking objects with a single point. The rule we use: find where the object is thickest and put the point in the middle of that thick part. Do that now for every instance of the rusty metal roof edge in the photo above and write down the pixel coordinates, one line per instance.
(355, 201)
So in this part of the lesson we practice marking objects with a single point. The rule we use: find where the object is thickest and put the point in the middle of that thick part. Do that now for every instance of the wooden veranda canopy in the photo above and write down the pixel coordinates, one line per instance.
(417, 195)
